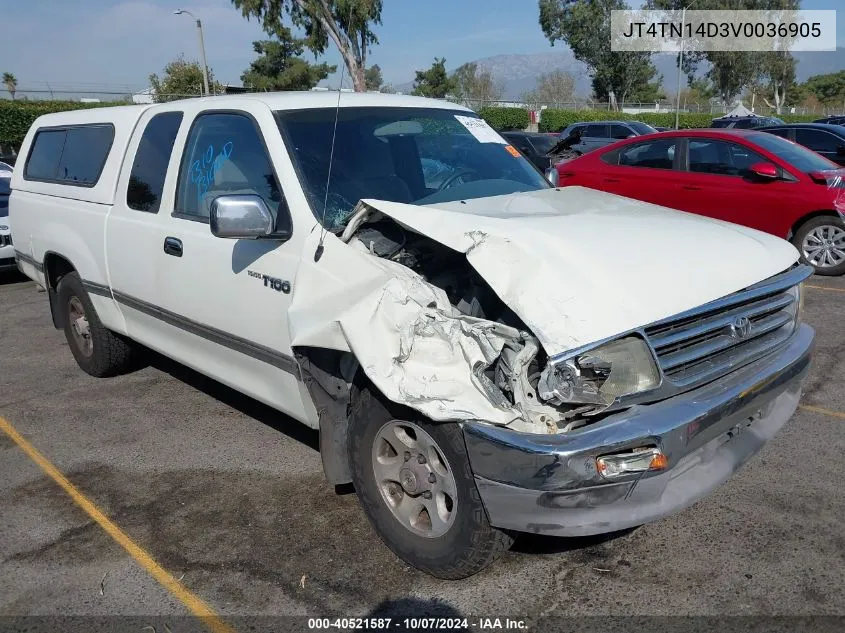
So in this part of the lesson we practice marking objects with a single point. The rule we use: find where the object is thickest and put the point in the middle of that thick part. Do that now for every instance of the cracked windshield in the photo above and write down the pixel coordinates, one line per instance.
(410, 155)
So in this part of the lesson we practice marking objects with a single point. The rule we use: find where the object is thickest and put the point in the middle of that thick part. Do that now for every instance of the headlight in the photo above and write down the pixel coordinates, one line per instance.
(797, 307)
(601, 375)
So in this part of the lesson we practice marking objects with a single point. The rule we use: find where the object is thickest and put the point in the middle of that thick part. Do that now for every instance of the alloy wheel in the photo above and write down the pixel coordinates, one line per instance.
(414, 478)
(824, 246)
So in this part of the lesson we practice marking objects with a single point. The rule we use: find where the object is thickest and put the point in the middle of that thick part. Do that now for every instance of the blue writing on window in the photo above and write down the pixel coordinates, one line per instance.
(204, 169)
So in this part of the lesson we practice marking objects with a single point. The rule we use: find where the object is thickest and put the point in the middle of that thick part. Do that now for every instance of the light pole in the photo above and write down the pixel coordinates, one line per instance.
(680, 65)
(202, 48)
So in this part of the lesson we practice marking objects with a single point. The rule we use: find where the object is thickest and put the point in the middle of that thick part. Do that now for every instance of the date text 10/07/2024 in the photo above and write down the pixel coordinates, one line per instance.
(417, 623)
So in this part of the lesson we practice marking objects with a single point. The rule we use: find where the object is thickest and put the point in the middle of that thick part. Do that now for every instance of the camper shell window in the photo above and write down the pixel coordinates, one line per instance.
(70, 155)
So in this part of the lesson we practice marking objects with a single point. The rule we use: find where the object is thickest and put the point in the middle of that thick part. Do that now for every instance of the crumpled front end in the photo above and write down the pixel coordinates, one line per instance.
(563, 438)
(420, 348)
(442, 327)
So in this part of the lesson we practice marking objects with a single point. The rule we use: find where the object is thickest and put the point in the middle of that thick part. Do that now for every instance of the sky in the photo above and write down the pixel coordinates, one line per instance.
(61, 44)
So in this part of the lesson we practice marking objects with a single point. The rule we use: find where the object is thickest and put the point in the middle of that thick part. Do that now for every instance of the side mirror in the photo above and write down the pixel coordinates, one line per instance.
(552, 176)
(766, 171)
(240, 217)
(631, 136)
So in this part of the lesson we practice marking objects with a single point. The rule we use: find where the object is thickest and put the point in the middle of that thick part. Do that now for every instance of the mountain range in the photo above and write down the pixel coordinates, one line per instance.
(519, 73)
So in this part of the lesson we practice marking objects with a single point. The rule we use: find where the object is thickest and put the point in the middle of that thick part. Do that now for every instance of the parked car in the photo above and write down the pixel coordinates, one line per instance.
(7, 250)
(597, 134)
(748, 177)
(660, 128)
(534, 146)
(485, 355)
(825, 139)
(832, 120)
(745, 122)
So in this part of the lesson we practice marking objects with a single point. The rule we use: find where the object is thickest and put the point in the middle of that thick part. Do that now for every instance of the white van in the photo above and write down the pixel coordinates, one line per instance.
(481, 351)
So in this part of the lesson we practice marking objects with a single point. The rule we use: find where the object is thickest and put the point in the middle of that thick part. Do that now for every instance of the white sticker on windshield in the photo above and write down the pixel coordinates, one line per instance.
(480, 129)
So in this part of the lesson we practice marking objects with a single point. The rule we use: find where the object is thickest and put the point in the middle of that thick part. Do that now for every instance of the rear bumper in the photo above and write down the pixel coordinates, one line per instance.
(549, 483)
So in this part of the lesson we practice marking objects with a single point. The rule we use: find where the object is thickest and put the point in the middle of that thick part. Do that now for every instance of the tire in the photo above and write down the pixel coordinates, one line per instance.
(97, 350)
(469, 543)
(817, 234)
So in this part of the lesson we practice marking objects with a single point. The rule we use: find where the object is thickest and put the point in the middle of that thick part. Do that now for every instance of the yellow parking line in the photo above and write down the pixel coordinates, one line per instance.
(194, 603)
(833, 414)
(825, 288)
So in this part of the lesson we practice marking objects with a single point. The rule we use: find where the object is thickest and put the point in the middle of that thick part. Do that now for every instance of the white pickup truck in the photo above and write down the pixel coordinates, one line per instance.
(481, 351)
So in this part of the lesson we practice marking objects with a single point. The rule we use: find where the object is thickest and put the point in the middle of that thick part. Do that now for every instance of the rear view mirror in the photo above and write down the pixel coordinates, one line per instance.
(766, 171)
(242, 216)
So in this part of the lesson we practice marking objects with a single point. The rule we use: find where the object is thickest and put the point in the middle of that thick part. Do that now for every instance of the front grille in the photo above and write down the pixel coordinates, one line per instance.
(717, 338)
(5, 240)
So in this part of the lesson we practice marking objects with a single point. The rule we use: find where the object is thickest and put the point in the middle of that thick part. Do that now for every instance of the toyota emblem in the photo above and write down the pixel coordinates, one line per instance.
(741, 327)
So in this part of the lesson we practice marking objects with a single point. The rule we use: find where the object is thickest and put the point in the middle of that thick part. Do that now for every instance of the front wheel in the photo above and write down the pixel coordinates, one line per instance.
(414, 481)
(821, 242)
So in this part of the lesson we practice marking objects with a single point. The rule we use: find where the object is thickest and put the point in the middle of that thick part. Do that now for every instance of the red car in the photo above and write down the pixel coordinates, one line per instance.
(742, 176)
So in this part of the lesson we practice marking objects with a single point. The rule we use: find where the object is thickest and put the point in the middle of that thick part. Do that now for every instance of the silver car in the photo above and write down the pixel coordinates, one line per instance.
(600, 133)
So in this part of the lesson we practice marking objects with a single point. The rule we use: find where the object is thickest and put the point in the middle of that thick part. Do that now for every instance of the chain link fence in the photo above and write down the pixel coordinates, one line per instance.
(133, 94)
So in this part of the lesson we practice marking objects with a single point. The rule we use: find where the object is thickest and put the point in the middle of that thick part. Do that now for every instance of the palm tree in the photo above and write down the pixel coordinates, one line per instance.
(11, 83)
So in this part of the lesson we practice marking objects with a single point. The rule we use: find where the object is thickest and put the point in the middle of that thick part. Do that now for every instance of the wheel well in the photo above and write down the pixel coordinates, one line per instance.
(328, 375)
(802, 220)
(56, 267)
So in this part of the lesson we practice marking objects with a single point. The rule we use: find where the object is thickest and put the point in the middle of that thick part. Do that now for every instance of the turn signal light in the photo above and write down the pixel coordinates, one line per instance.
(637, 461)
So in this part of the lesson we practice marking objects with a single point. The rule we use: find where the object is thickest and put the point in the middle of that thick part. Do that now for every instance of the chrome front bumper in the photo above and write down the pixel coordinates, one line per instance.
(549, 484)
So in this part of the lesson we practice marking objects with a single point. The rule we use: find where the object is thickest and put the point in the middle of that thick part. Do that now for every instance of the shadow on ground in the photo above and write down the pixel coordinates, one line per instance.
(235, 399)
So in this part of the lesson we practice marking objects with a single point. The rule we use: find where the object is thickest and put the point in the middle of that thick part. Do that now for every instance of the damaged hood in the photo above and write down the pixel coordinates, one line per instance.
(579, 265)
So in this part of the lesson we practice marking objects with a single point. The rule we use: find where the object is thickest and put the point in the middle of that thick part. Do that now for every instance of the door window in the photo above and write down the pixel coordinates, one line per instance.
(619, 132)
(708, 156)
(656, 154)
(783, 132)
(224, 154)
(146, 180)
(817, 140)
(596, 131)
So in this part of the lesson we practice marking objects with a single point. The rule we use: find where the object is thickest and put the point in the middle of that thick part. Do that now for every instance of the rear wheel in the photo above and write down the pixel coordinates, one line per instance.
(97, 350)
(821, 242)
(414, 481)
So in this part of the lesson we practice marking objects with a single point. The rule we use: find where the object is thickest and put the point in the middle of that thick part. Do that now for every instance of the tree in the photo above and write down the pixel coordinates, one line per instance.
(182, 78)
(828, 89)
(345, 22)
(556, 87)
(434, 82)
(11, 83)
(732, 71)
(278, 66)
(779, 70)
(372, 77)
(585, 26)
(473, 84)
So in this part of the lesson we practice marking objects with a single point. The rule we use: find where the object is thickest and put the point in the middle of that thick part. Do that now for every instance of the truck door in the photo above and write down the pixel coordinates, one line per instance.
(224, 302)
(135, 224)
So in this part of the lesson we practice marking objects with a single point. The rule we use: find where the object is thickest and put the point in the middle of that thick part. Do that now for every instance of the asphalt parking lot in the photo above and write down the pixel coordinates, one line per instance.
(227, 496)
